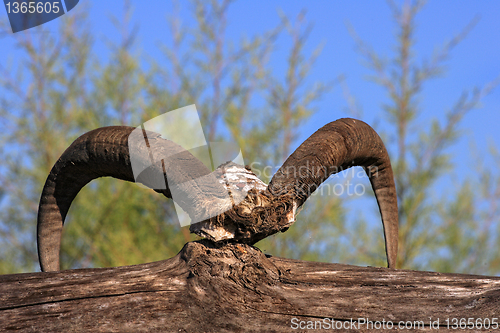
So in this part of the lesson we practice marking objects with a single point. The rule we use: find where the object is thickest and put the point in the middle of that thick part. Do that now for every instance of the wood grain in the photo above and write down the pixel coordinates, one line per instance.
(236, 288)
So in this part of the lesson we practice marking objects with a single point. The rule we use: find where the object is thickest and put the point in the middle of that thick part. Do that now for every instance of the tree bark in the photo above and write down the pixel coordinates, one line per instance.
(236, 288)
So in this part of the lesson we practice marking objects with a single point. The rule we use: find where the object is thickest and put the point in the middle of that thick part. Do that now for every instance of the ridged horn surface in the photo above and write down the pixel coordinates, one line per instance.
(107, 151)
(337, 146)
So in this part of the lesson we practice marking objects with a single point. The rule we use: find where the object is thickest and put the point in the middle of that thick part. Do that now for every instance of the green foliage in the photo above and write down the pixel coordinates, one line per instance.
(443, 234)
(60, 90)
(64, 91)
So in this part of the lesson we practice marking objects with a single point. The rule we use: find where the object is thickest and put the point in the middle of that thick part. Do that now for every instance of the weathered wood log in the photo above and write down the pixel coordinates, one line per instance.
(236, 288)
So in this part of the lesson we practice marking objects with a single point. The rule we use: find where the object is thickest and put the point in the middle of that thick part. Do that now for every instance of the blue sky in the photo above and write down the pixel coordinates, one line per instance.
(474, 62)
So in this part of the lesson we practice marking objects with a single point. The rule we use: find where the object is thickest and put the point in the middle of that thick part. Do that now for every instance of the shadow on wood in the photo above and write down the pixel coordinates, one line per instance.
(236, 288)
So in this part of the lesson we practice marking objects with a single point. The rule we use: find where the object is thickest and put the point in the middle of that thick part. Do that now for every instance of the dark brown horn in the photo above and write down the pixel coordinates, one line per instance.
(337, 146)
(107, 152)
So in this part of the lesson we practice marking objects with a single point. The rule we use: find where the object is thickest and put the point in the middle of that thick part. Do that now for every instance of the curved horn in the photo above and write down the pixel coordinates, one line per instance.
(337, 146)
(107, 151)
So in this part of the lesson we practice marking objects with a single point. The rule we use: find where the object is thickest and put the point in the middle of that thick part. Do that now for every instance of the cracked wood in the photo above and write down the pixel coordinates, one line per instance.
(235, 288)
